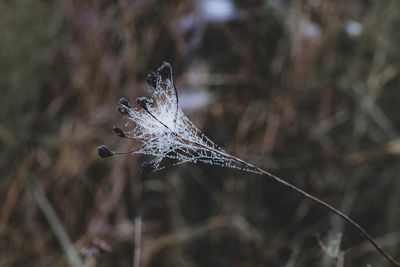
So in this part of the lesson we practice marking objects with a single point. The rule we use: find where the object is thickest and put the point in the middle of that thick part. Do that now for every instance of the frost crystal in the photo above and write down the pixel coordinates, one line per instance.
(164, 130)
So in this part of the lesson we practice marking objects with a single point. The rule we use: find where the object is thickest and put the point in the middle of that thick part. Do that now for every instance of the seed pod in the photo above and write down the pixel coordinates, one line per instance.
(104, 152)
(165, 71)
(119, 132)
(124, 101)
(124, 106)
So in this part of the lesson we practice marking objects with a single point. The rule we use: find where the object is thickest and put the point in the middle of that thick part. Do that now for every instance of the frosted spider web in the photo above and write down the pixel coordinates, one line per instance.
(165, 131)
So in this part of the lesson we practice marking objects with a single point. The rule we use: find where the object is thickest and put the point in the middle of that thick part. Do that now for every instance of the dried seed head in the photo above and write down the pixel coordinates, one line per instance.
(164, 130)
(165, 71)
(119, 132)
(104, 152)
(152, 79)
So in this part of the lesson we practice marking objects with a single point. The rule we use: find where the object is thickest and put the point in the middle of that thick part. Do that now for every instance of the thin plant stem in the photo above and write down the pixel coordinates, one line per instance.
(304, 194)
(41, 200)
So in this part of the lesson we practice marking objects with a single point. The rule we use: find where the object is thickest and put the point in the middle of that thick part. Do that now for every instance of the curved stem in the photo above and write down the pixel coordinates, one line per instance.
(334, 210)
(304, 194)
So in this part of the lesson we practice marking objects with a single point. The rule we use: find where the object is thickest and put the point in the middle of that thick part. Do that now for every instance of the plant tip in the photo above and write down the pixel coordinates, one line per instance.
(124, 101)
(119, 132)
(165, 71)
(104, 152)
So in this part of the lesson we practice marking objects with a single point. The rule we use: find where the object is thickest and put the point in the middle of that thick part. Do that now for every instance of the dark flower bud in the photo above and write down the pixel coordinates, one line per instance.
(149, 166)
(165, 71)
(124, 106)
(152, 79)
(143, 102)
(124, 101)
(119, 132)
(104, 152)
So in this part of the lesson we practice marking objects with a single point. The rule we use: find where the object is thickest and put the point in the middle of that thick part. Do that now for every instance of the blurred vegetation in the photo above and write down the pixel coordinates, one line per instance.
(306, 89)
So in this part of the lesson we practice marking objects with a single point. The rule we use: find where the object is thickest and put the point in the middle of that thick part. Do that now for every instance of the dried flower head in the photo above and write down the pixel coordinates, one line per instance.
(164, 130)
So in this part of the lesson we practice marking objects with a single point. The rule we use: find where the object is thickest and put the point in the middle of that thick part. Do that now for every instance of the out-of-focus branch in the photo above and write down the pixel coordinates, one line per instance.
(41, 200)
(138, 241)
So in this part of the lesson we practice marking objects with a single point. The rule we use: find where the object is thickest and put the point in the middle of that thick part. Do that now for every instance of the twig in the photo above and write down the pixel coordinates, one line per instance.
(41, 200)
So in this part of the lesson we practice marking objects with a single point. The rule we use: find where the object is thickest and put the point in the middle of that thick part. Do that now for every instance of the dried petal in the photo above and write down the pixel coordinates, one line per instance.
(124, 106)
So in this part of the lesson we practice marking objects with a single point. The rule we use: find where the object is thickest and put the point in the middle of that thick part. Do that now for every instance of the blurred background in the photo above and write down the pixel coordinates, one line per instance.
(308, 90)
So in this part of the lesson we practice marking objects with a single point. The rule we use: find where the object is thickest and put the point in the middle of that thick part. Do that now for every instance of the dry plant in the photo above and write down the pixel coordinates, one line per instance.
(165, 132)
